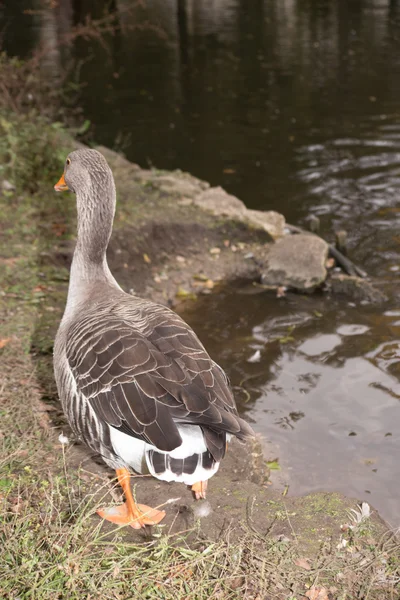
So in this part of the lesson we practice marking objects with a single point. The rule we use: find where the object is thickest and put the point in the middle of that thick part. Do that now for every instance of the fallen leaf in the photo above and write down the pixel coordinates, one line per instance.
(281, 291)
(317, 593)
(236, 582)
(146, 258)
(59, 229)
(273, 465)
(200, 277)
(116, 571)
(184, 294)
(209, 284)
(229, 171)
(4, 342)
(303, 563)
(330, 263)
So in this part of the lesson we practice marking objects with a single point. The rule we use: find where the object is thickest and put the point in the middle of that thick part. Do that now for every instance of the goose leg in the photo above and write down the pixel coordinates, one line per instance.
(200, 489)
(130, 513)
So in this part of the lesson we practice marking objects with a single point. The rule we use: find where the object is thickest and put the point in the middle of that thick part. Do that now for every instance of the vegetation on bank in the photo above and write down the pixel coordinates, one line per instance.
(53, 545)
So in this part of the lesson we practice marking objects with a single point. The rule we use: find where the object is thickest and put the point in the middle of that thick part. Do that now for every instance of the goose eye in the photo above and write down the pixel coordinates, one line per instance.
(68, 161)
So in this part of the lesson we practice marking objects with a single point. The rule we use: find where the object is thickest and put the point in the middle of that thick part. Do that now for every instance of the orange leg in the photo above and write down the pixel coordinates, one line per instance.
(130, 513)
(200, 489)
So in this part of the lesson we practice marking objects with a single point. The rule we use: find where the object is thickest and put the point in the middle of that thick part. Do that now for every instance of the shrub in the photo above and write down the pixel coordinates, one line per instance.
(32, 150)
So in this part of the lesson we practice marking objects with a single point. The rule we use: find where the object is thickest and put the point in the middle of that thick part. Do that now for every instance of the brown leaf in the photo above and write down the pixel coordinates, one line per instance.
(116, 571)
(209, 284)
(330, 263)
(303, 563)
(317, 593)
(4, 342)
(281, 291)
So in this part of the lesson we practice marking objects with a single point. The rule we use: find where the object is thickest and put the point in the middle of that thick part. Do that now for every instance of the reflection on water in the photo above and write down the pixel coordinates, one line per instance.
(294, 106)
(326, 395)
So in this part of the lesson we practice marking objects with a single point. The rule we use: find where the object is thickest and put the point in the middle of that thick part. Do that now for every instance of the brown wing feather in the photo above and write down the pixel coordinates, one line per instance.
(145, 380)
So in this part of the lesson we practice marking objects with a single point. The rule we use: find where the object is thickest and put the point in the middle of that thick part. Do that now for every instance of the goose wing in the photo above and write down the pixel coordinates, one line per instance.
(145, 379)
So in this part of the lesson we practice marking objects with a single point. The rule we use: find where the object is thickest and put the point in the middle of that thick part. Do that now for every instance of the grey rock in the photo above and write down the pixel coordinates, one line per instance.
(297, 262)
(222, 204)
(269, 220)
(355, 288)
(179, 184)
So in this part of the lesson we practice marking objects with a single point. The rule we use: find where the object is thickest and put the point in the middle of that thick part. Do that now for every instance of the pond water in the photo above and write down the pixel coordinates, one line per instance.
(291, 105)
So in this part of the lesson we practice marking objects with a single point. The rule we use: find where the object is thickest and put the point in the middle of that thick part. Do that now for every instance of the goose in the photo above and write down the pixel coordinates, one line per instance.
(136, 384)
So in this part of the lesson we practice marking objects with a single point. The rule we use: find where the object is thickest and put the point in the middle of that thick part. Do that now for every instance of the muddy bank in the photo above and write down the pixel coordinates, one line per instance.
(175, 237)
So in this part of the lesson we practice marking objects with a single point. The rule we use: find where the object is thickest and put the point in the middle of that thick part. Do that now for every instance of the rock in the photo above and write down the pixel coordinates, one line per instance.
(296, 261)
(179, 184)
(222, 204)
(7, 186)
(355, 288)
(269, 220)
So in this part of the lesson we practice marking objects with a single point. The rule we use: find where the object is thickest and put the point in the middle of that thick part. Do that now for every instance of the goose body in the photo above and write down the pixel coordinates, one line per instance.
(135, 382)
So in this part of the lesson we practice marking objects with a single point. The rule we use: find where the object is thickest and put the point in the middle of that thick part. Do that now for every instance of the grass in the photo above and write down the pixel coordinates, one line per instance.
(53, 545)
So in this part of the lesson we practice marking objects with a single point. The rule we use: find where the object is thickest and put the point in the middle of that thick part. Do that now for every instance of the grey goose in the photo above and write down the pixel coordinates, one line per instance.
(135, 382)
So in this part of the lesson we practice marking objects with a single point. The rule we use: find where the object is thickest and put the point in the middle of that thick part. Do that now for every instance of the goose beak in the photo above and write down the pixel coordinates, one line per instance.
(61, 186)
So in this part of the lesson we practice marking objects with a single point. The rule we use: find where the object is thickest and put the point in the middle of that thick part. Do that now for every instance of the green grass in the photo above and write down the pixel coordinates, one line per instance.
(53, 546)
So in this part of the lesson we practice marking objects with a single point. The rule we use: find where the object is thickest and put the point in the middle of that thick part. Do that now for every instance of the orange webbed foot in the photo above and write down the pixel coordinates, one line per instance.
(199, 489)
(130, 513)
(121, 515)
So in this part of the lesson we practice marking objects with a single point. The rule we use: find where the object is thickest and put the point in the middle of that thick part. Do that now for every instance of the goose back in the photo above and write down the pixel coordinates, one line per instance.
(136, 367)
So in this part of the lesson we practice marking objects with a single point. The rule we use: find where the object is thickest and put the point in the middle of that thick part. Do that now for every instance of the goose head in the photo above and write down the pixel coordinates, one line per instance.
(85, 172)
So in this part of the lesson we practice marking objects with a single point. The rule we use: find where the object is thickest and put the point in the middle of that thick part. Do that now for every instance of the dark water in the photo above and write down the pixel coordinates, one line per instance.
(291, 105)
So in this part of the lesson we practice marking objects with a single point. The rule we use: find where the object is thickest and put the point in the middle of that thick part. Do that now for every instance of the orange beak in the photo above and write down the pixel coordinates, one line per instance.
(61, 186)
